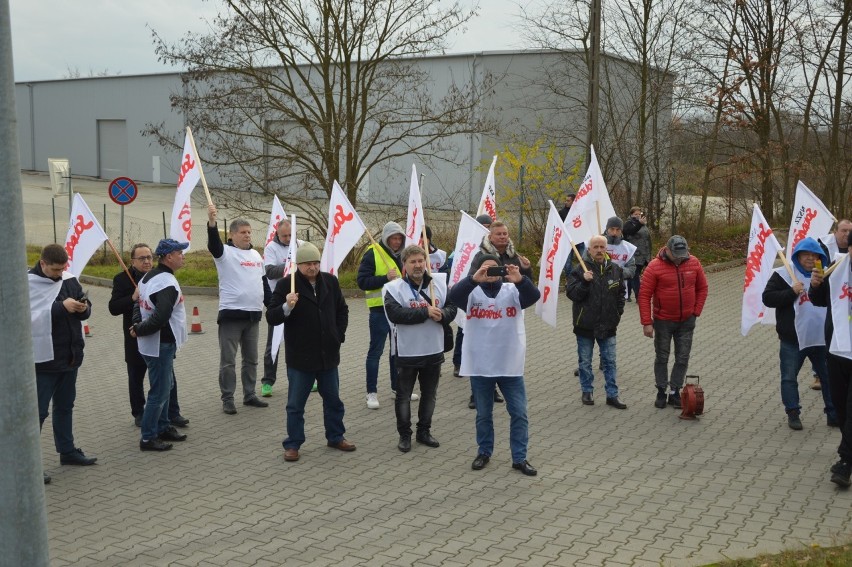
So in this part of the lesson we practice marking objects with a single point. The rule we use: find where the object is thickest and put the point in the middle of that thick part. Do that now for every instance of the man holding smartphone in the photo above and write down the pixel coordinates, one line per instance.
(495, 352)
(58, 306)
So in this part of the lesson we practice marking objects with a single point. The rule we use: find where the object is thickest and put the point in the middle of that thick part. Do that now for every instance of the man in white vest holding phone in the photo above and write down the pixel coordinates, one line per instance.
(159, 325)
(494, 351)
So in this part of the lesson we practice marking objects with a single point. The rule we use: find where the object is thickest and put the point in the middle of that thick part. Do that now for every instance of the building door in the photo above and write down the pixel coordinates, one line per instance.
(112, 149)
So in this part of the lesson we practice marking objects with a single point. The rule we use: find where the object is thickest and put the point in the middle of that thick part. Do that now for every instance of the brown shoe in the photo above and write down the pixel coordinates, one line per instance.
(817, 385)
(343, 445)
(291, 455)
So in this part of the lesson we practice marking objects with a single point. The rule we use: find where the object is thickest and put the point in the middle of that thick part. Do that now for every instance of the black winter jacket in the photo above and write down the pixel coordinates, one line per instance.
(66, 328)
(316, 327)
(121, 303)
(821, 297)
(779, 295)
(598, 304)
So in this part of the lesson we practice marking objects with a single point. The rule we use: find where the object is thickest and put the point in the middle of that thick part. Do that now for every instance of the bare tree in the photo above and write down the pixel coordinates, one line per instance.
(290, 96)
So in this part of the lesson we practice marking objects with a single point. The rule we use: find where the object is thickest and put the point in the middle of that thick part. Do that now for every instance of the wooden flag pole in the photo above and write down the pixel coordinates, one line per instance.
(120, 261)
(579, 256)
(293, 267)
(598, 215)
(788, 266)
(429, 267)
(830, 269)
(200, 169)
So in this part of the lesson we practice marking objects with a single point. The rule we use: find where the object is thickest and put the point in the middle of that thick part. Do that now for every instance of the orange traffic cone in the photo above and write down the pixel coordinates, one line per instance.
(86, 330)
(195, 329)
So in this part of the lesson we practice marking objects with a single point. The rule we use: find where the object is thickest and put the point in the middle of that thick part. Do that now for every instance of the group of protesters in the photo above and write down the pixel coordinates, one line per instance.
(410, 303)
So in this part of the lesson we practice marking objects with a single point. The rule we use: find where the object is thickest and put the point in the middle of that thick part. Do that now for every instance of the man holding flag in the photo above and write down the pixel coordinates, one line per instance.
(380, 264)
(276, 266)
(800, 327)
(835, 293)
(58, 307)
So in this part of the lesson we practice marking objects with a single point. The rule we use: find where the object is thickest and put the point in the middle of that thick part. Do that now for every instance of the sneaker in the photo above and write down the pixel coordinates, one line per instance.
(265, 390)
(154, 445)
(841, 477)
(372, 400)
(793, 420)
(674, 399)
(314, 387)
(255, 402)
(660, 402)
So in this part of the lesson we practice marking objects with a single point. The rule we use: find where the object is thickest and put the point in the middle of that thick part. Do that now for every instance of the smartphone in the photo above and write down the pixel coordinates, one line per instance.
(84, 297)
(500, 271)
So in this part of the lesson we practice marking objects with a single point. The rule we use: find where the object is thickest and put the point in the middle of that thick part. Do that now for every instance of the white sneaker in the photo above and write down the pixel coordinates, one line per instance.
(372, 400)
(415, 397)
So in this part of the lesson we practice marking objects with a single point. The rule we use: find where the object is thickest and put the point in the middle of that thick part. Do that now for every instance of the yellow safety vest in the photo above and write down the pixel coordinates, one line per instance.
(374, 296)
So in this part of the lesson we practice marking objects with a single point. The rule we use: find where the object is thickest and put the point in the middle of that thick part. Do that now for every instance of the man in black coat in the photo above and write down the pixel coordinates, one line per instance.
(317, 317)
(58, 307)
(124, 295)
(598, 296)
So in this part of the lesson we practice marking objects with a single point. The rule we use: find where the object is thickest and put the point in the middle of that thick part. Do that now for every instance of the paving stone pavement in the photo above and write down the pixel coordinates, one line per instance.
(635, 487)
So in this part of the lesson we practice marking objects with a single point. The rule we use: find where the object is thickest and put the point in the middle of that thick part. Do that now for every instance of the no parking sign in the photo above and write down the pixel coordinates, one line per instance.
(123, 191)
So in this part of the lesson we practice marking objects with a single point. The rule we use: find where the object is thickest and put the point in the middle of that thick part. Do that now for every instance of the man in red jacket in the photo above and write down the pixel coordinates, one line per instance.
(676, 282)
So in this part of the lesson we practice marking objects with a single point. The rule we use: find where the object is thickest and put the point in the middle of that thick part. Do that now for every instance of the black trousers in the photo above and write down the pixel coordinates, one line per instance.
(406, 377)
(839, 378)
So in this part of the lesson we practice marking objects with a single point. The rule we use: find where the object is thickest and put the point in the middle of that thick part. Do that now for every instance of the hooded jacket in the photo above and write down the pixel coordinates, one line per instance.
(598, 304)
(371, 279)
(779, 295)
(678, 292)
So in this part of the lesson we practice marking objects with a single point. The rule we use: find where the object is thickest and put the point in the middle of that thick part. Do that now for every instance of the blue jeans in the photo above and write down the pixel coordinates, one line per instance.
(328, 386)
(155, 418)
(585, 350)
(515, 394)
(62, 388)
(379, 331)
(792, 360)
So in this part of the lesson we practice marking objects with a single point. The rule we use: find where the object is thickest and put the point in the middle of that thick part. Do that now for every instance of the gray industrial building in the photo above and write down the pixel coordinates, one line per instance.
(97, 123)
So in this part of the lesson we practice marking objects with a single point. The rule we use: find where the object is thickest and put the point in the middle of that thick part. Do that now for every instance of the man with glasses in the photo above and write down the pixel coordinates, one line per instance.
(124, 295)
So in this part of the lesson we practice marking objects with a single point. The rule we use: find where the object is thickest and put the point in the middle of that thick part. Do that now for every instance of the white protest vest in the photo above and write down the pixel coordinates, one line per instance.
(830, 243)
(495, 340)
(43, 292)
(275, 254)
(437, 259)
(240, 279)
(810, 319)
(620, 253)
(840, 283)
(150, 345)
(423, 338)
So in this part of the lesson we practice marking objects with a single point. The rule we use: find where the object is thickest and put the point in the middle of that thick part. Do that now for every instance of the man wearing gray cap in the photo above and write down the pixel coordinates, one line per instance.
(317, 317)
(676, 283)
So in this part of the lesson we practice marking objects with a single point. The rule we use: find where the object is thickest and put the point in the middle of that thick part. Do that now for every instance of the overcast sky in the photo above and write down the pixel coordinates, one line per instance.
(49, 37)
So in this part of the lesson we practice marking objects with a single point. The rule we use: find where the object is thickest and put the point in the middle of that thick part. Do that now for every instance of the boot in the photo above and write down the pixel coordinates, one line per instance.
(660, 402)
(674, 399)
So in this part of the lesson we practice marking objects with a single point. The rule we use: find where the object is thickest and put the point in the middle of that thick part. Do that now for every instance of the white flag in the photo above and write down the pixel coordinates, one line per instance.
(345, 228)
(415, 221)
(592, 206)
(84, 237)
(469, 238)
(275, 217)
(488, 201)
(188, 178)
(289, 267)
(554, 253)
(763, 247)
(810, 218)
(841, 309)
